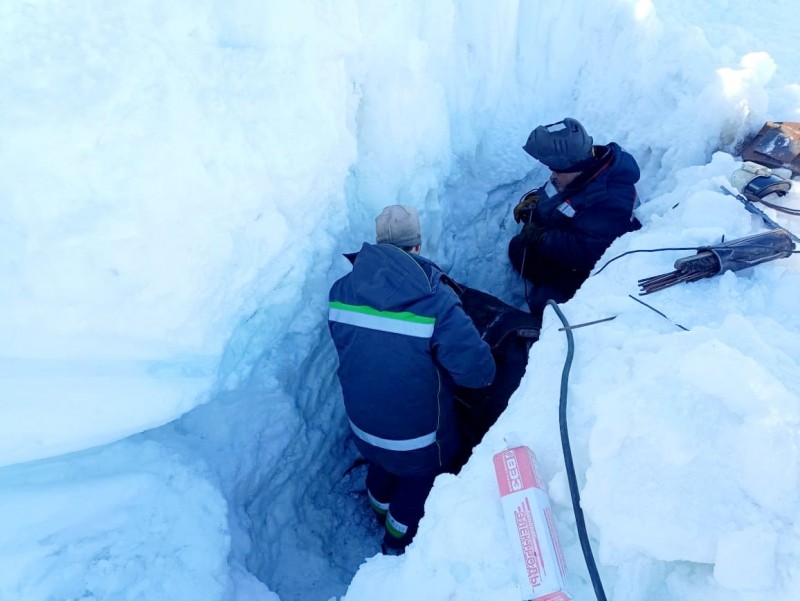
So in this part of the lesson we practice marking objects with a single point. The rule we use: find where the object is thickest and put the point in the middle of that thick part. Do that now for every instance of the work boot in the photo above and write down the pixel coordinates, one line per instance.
(387, 550)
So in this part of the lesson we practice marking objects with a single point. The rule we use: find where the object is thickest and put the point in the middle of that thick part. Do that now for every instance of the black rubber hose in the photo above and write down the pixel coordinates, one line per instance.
(580, 523)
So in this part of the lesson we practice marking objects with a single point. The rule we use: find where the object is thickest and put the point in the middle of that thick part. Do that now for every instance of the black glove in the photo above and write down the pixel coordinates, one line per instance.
(532, 233)
(525, 206)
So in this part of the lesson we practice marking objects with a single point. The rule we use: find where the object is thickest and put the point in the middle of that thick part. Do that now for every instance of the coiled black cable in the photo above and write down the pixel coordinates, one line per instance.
(645, 250)
(574, 493)
(771, 205)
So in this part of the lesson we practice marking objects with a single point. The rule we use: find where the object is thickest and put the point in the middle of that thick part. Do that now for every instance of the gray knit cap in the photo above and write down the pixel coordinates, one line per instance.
(398, 225)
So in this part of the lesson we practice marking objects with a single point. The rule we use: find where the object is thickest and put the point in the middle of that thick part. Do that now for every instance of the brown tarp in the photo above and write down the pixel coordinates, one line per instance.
(776, 145)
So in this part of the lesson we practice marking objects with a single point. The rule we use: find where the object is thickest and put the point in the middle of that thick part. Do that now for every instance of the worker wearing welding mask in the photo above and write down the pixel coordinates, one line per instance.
(570, 221)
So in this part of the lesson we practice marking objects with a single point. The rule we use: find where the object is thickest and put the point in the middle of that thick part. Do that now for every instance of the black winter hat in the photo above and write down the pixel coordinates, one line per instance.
(563, 146)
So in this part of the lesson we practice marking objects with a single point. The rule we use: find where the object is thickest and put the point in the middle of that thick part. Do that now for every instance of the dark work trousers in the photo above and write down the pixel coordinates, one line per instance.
(537, 297)
(399, 503)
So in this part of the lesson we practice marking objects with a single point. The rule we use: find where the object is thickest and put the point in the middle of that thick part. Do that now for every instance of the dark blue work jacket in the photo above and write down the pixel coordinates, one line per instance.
(570, 231)
(403, 340)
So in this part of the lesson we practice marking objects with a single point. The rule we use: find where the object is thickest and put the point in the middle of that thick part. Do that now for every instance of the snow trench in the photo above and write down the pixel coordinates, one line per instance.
(279, 440)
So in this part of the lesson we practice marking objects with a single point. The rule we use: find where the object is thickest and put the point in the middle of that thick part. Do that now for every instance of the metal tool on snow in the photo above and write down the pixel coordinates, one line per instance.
(727, 256)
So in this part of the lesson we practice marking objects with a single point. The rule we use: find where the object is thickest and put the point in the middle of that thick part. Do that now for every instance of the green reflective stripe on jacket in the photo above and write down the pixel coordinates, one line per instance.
(404, 322)
(402, 315)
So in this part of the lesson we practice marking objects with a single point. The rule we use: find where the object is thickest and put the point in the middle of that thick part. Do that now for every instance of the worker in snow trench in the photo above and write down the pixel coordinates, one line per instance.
(570, 221)
(403, 341)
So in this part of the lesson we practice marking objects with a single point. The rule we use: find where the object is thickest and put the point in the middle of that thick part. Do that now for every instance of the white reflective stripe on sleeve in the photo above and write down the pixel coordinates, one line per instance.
(566, 209)
(410, 444)
(382, 324)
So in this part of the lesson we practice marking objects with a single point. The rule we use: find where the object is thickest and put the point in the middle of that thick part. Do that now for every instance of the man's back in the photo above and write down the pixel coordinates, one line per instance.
(403, 340)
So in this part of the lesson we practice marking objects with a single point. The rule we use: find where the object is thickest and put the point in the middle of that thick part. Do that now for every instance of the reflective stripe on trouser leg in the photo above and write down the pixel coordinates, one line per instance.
(377, 506)
(408, 503)
(395, 528)
(409, 444)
